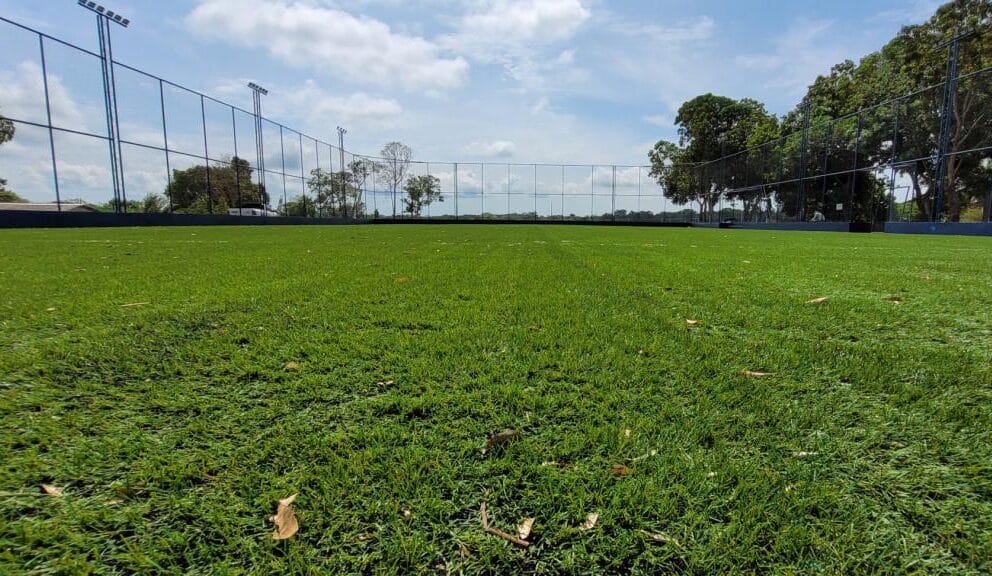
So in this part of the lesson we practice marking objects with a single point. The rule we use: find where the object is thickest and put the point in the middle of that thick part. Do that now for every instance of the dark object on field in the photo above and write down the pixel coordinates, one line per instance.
(484, 515)
(500, 438)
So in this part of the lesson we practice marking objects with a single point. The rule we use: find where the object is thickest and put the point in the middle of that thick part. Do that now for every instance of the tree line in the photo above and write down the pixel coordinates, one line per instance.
(759, 148)
(328, 194)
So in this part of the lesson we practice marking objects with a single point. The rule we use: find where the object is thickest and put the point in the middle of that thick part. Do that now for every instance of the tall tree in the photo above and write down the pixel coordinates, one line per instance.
(361, 170)
(7, 130)
(908, 63)
(335, 194)
(193, 190)
(710, 127)
(396, 158)
(421, 192)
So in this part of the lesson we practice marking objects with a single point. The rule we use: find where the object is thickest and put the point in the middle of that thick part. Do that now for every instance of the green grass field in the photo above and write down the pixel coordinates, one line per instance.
(174, 425)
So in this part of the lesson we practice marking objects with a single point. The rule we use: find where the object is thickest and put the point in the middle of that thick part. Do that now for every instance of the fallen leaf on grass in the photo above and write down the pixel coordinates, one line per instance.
(643, 456)
(805, 454)
(285, 519)
(626, 432)
(590, 522)
(895, 299)
(534, 328)
(135, 304)
(484, 517)
(819, 300)
(524, 528)
(692, 322)
(384, 383)
(402, 280)
(292, 367)
(50, 490)
(52, 309)
(754, 374)
(621, 470)
(661, 537)
(500, 438)
(407, 513)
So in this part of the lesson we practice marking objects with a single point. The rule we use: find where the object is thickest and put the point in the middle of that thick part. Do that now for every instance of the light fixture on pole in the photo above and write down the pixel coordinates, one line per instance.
(103, 19)
(256, 97)
(341, 133)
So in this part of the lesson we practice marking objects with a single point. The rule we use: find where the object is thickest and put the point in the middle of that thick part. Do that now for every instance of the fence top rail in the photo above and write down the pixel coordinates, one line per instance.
(48, 37)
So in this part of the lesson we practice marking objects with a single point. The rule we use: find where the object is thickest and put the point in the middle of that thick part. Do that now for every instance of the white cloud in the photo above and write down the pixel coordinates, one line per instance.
(355, 110)
(22, 93)
(492, 26)
(659, 120)
(494, 149)
(357, 48)
(689, 30)
(540, 106)
(805, 50)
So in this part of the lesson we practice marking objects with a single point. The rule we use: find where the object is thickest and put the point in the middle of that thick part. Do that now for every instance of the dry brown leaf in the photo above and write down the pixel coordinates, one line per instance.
(384, 383)
(754, 374)
(292, 367)
(534, 328)
(50, 490)
(819, 300)
(621, 470)
(660, 537)
(484, 518)
(501, 438)
(895, 299)
(524, 528)
(692, 322)
(134, 304)
(285, 519)
(590, 522)
(402, 280)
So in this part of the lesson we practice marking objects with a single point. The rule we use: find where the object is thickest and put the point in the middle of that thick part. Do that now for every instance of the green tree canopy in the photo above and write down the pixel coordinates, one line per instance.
(710, 127)
(421, 192)
(230, 184)
(870, 114)
(336, 194)
(7, 130)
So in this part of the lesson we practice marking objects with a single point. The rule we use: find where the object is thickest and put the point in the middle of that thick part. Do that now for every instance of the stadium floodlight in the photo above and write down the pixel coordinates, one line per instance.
(110, 15)
(103, 19)
(256, 98)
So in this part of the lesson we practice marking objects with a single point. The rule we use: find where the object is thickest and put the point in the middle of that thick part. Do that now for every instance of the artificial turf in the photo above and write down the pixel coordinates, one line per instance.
(363, 367)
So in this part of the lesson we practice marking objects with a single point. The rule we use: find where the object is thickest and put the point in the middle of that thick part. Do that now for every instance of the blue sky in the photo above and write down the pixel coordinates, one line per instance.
(582, 81)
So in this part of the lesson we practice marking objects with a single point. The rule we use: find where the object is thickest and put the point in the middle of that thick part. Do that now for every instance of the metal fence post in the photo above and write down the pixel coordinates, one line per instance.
(455, 182)
(535, 193)
(282, 154)
(801, 171)
(303, 179)
(946, 122)
(237, 165)
(165, 142)
(854, 174)
(51, 131)
(614, 193)
(206, 154)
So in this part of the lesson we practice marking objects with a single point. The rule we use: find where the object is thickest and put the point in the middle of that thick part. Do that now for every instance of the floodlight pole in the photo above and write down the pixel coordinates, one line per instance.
(947, 119)
(341, 133)
(103, 19)
(256, 99)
